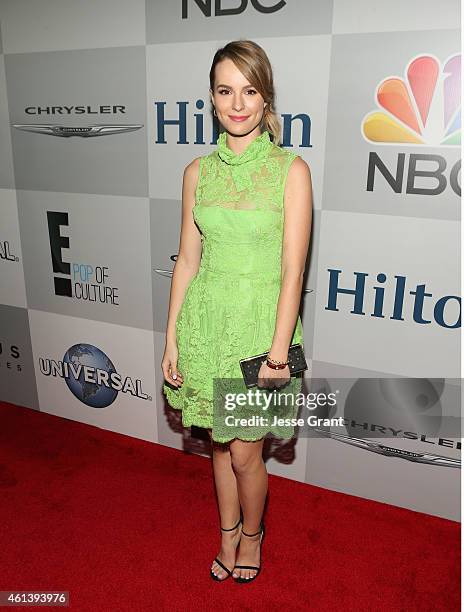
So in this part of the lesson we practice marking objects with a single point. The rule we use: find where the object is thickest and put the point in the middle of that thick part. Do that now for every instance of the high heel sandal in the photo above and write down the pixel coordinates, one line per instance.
(252, 567)
(229, 572)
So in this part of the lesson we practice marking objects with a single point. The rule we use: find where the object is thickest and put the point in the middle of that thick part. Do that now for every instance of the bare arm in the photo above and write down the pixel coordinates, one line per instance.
(189, 253)
(297, 231)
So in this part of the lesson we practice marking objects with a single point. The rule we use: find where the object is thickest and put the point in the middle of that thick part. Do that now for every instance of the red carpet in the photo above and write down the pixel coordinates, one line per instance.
(124, 524)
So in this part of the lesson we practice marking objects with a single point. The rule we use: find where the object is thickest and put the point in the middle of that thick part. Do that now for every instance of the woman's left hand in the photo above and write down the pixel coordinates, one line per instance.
(268, 378)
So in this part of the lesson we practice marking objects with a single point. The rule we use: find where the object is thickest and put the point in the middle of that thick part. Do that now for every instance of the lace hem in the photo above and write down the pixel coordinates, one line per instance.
(198, 412)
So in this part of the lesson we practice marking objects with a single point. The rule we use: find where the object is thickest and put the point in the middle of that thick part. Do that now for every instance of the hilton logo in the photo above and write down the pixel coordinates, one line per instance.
(419, 294)
(182, 122)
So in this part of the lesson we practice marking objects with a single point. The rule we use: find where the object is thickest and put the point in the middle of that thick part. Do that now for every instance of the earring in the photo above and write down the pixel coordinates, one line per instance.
(214, 112)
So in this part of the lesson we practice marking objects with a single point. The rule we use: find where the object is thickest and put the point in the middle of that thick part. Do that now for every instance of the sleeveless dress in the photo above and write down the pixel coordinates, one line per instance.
(230, 305)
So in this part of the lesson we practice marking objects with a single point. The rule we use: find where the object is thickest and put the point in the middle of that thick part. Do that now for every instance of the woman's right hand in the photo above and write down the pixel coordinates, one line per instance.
(169, 365)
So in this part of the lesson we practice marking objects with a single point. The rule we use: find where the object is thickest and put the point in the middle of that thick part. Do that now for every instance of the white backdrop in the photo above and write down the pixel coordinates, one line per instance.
(369, 95)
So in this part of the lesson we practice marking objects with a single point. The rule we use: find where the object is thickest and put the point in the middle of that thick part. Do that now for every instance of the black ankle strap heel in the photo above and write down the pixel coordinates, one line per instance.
(252, 567)
(232, 528)
(219, 562)
(251, 535)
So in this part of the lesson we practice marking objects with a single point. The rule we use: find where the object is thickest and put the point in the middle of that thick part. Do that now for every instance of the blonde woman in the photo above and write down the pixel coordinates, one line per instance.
(236, 287)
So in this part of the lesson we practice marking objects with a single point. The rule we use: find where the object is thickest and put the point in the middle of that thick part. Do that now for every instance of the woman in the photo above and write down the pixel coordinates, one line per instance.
(236, 287)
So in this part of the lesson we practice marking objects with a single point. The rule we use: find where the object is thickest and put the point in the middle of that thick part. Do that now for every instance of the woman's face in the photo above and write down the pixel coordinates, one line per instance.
(239, 106)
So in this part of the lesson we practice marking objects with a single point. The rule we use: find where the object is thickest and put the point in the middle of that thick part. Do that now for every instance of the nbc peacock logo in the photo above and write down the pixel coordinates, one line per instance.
(423, 108)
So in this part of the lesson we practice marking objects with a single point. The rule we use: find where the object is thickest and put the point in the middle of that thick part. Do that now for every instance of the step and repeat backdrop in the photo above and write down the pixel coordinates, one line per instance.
(104, 103)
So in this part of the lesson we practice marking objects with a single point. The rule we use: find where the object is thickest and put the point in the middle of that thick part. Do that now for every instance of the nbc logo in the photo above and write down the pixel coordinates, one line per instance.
(423, 108)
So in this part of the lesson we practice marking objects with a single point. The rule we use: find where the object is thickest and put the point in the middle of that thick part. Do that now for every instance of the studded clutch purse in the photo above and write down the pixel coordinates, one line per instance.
(251, 365)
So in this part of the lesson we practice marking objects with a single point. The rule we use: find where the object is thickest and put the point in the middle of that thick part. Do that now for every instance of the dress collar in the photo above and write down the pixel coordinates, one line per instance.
(257, 148)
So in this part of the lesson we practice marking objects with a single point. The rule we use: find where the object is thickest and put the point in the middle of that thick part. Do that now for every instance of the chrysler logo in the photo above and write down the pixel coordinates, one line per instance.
(390, 451)
(85, 132)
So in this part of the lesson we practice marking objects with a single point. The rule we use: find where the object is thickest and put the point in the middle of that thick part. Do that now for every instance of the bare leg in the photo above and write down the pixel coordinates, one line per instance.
(252, 482)
(229, 506)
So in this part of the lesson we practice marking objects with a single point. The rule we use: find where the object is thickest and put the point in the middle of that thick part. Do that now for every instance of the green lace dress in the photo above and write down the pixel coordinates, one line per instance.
(230, 305)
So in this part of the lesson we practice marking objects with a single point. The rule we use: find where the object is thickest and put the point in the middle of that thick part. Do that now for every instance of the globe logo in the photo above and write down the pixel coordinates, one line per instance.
(90, 393)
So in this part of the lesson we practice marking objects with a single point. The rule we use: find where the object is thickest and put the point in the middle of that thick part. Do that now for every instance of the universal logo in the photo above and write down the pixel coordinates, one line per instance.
(82, 281)
(91, 376)
(421, 109)
(205, 7)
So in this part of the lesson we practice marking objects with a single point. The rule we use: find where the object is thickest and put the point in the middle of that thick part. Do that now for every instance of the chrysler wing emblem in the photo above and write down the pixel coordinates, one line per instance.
(390, 451)
(169, 273)
(65, 131)
(163, 272)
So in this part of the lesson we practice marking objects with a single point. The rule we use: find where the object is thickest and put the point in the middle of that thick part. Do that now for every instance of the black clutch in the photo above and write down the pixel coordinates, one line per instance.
(251, 365)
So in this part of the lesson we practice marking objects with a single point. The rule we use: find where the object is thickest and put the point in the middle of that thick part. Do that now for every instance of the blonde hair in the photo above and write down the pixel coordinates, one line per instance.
(254, 64)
